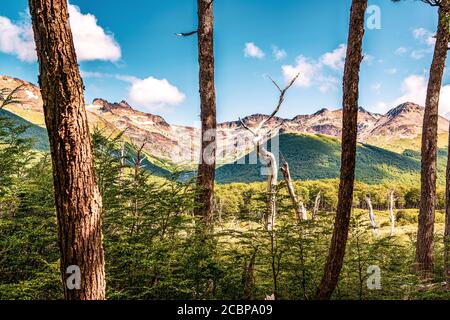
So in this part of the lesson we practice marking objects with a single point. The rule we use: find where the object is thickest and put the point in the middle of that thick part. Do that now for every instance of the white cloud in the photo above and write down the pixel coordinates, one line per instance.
(278, 54)
(91, 41)
(424, 36)
(336, 58)
(154, 94)
(418, 54)
(253, 51)
(376, 87)
(414, 89)
(401, 51)
(308, 71)
(323, 73)
(17, 39)
(391, 71)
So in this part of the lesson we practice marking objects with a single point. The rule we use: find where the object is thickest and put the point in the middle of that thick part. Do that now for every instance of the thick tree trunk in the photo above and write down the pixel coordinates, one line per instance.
(316, 207)
(299, 206)
(207, 167)
(78, 202)
(349, 137)
(425, 235)
(391, 213)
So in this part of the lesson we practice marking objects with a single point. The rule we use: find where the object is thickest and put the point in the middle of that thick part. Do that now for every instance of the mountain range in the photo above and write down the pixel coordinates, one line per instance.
(167, 145)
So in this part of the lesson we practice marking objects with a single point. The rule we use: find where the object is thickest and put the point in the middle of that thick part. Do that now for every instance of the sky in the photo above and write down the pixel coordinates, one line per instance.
(127, 50)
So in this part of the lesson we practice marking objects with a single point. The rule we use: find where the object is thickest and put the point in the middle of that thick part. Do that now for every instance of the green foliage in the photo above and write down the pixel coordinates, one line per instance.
(316, 157)
(156, 249)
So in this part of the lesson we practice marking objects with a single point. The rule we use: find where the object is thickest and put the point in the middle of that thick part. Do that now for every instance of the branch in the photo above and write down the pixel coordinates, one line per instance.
(11, 97)
(247, 128)
(280, 101)
(186, 34)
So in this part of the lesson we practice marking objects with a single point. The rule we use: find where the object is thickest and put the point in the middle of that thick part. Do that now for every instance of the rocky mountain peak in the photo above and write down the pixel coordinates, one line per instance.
(405, 108)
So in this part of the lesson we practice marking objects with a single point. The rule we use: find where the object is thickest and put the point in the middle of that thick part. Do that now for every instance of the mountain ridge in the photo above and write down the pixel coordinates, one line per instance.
(180, 145)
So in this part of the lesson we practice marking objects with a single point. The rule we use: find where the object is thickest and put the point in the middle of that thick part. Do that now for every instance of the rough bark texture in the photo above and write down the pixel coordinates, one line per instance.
(349, 137)
(78, 202)
(425, 235)
(207, 167)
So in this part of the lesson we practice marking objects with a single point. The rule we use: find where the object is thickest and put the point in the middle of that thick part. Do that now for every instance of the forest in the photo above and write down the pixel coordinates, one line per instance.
(84, 215)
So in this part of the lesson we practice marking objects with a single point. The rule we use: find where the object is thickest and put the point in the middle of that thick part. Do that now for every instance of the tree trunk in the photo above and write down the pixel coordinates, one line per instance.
(373, 223)
(316, 207)
(207, 166)
(348, 161)
(272, 181)
(300, 209)
(391, 213)
(425, 235)
(77, 198)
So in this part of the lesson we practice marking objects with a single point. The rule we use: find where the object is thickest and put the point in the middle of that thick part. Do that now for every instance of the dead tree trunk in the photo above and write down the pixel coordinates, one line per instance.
(373, 222)
(316, 207)
(269, 158)
(272, 182)
(391, 213)
(207, 166)
(249, 278)
(348, 159)
(77, 198)
(300, 209)
(425, 235)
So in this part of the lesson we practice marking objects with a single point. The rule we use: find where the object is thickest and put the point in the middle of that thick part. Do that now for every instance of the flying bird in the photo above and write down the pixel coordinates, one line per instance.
(186, 34)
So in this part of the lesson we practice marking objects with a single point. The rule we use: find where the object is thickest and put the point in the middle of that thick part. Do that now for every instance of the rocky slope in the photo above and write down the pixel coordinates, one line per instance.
(179, 145)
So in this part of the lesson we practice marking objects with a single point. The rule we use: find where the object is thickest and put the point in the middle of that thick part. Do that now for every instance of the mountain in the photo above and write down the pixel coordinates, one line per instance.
(313, 157)
(170, 146)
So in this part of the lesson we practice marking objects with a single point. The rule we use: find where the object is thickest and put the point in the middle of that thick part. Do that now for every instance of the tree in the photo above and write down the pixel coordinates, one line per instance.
(425, 235)
(77, 198)
(353, 61)
(207, 166)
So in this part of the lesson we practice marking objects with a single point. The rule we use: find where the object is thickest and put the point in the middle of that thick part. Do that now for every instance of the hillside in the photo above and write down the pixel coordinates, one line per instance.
(388, 148)
(313, 157)
(37, 133)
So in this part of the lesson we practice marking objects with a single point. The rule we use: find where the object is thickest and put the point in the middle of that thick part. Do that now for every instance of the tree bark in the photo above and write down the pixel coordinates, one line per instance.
(348, 161)
(316, 207)
(299, 206)
(272, 181)
(391, 213)
(425, 235)
(207, 166)
(373, 223)
(77, 198)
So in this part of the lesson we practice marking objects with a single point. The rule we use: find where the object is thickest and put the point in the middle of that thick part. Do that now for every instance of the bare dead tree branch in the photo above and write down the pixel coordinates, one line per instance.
(268, 157)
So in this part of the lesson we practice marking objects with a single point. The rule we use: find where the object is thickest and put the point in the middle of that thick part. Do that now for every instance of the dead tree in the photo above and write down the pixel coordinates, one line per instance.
(248, 277)
(268, 157)
(316, 207)
(373, 222)
(391, 212)
(300, 209)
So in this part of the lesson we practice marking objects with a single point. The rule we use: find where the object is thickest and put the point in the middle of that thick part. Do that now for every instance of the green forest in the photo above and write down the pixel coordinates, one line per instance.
(153, 251)
(95, 203)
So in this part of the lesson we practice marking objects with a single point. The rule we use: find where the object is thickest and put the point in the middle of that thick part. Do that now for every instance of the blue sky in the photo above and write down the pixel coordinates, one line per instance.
(128, 50)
